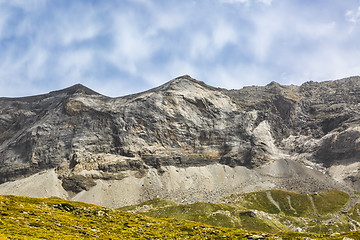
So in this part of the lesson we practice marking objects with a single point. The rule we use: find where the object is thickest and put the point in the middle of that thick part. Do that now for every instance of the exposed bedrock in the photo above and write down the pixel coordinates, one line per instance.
(186, 124)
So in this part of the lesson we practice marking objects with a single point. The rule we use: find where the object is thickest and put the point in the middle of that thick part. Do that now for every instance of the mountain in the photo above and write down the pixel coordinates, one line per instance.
(184, 141)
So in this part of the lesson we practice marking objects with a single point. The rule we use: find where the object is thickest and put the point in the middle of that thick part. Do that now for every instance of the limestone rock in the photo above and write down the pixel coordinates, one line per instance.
(89, 138)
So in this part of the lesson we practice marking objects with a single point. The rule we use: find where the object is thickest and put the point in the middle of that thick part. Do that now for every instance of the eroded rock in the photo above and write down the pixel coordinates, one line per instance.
(184, 123)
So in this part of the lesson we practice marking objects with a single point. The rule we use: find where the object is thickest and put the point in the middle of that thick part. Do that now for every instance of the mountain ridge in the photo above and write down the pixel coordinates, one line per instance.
(82, 88)
(90, 142)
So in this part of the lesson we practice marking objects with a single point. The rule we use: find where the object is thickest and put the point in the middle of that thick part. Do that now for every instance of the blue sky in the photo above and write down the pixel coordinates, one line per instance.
(119, 47)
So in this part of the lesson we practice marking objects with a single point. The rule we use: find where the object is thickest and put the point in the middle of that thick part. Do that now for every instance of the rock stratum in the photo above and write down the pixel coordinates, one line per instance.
(184, 141)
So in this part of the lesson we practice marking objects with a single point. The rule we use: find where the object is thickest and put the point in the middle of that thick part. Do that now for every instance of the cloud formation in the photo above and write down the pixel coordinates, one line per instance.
(122, 47)
(353, 15)
(266, 2)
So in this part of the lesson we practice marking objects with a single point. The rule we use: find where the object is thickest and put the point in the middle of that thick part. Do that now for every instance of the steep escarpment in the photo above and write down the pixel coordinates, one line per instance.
(133, 148)
(35, 132)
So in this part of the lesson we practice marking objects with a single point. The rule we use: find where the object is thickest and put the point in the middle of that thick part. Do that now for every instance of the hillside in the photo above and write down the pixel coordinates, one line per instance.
(184, 141)
(53, 218)
(267, 211)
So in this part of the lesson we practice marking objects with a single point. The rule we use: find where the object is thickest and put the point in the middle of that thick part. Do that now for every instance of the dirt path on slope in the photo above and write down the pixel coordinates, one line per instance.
(268, 194)
(312, 204)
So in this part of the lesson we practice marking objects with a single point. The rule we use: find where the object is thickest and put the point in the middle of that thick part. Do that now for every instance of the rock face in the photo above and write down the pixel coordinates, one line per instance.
(304, 138)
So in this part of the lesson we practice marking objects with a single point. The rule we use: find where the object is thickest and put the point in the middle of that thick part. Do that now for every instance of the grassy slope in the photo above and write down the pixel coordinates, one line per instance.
(223, 215)
(330, 202)
(255, 212)
(53, 218)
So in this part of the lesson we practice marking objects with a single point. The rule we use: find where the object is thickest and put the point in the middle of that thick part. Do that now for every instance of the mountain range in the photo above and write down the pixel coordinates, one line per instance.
(184, 141)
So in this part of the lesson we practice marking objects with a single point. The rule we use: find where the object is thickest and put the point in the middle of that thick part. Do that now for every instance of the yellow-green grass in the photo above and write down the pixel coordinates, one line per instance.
(256, 211)
(210, 213)
(258, 201)
(150, 204)
(354, 212)
(330, 202)
(293, 204)
(53, 218)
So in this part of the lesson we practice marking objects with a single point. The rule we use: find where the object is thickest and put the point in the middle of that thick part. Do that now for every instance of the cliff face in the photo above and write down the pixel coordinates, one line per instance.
(184, 124)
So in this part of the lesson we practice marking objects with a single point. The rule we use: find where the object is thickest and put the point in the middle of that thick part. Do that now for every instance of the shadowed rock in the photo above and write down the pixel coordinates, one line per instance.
(183, 123)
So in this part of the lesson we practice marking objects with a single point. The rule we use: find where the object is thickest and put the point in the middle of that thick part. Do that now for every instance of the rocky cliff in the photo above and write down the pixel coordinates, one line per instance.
(184, 140)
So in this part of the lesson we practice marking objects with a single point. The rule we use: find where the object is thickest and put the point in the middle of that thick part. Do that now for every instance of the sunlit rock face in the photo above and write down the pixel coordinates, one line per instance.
(183, 140)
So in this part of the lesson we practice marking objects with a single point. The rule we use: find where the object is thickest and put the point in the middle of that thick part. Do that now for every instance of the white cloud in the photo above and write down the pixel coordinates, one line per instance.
(3, 20)
(223, 34)
(27, 5)
(169, 20)
(179, 67)
(36, 63)
(200, 45)
(207, 44)
(353, 16)
(266, 2)
(134, 45)
(112, 87)
(76, 24)
(267, 29)
(282, 35)
(234, 1)
(237, 76)
(72, 66)
(18, 73)
(328, 62)
(172, 69)
(77, 32)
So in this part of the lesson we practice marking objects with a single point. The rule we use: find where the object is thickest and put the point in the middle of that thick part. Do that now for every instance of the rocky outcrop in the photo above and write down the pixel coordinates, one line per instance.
(87, 137)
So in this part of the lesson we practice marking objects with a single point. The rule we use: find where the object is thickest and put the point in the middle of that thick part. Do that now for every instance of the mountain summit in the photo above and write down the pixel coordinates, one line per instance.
(184, 140)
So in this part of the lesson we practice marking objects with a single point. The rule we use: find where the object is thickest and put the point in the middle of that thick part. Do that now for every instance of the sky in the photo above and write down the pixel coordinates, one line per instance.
(120, 47)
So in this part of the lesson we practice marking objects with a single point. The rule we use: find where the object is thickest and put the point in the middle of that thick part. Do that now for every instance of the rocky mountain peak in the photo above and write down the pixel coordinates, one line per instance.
(183, 83)
(76, 89)
(183, 134)
(273, 84)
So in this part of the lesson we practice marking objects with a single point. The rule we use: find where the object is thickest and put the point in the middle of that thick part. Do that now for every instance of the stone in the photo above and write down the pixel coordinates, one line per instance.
(301, 138)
